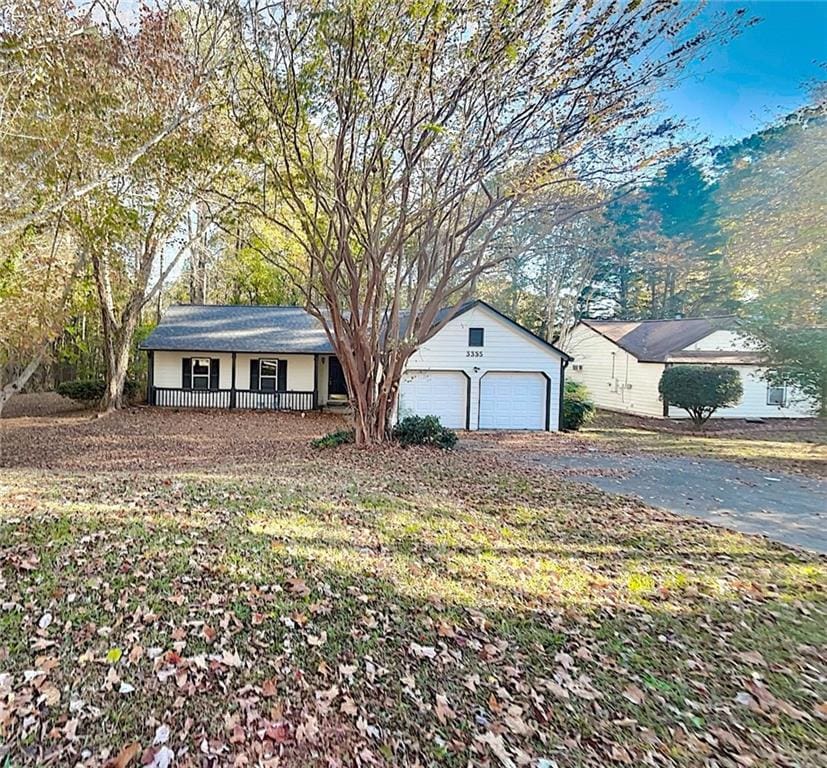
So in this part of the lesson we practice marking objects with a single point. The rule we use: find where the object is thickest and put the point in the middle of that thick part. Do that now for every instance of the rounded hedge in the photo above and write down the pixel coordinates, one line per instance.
(700, 389)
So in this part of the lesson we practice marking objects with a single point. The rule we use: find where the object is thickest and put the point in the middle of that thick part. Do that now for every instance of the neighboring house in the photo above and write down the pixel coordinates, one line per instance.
(621, 363)
(480, 371)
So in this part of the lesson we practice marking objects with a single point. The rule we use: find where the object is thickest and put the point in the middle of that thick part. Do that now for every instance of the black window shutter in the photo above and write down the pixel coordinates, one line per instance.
(186, 372)
(214, 368)
(282, 382)
(254, 375)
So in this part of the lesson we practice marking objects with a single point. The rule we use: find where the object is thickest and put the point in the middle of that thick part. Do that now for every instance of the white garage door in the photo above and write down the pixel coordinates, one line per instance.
(435, 393)
(512, 400)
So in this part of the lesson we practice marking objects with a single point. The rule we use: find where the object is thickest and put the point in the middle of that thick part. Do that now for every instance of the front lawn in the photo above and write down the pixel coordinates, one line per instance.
(208, 587)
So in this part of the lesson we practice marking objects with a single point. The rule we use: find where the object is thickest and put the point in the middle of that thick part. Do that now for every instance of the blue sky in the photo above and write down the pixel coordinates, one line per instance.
(759, 75)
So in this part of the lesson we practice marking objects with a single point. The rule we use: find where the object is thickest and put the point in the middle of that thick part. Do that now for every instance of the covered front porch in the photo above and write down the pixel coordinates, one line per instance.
(264, 381)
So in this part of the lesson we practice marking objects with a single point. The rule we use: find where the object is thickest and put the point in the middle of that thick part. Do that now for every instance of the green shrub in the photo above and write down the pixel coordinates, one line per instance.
(84, 390)
(424, 430)
(334, 439)
(578, 409)
(700, 389)
(91, 390)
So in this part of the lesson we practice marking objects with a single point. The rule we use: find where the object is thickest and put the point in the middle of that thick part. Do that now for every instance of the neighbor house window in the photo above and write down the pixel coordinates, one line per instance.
(268, 375)
(201, 373)
(476, 337)
(777, 395)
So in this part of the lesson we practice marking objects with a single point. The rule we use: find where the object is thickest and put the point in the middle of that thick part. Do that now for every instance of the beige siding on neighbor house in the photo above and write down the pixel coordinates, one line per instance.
(753, 402)
(723, 341)
(617, 380)
(505, 348)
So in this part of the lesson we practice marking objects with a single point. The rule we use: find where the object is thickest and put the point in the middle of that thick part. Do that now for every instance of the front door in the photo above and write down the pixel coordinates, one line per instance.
(335, 378)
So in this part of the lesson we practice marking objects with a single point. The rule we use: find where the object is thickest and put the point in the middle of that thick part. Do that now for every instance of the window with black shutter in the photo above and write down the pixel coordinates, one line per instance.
(214, 372)
(186, 372)
(201, 372)
(254, 375)
(268, 375)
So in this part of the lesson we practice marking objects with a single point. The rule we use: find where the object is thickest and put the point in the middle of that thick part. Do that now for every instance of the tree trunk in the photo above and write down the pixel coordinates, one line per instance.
(372, 384)
(552, 297)
(623, 295)
(372, 399)
(117, 333)
(17, 384)
(514, 275)
(199, 256)
(117, 346)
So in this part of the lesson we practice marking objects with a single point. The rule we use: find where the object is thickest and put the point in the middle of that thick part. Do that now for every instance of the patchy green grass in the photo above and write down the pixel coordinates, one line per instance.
(787, 452)
(394, 607)
(795, 446)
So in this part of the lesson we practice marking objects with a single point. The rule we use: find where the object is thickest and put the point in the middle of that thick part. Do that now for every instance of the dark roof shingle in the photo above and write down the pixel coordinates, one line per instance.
(654, 341)
(267, 329)
(254, 329)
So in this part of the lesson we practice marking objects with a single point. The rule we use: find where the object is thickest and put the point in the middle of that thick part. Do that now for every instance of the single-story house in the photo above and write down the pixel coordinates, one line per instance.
(621, 363)
(481, 370)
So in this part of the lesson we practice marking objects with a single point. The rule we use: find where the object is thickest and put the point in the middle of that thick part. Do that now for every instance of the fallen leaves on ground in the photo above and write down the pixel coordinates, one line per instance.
(204, 590)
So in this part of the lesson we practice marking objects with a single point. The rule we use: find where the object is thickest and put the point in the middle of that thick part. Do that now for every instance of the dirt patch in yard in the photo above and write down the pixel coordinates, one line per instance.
(815, 429)
(145, 438)
(41, 404)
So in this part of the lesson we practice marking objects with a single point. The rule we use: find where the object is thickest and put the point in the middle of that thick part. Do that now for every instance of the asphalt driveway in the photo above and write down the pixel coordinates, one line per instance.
(784, 507)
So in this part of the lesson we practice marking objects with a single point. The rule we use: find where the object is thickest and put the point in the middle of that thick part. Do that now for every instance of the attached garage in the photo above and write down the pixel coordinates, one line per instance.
(513, 400)
(435, 393)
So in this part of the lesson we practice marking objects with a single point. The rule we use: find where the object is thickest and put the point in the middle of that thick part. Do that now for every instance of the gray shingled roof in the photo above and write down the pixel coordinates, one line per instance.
(654, 341)
(262, 329)
(211, 328)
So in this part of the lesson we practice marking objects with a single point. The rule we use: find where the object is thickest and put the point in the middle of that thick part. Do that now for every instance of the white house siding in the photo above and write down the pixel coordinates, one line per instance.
(168, 367)
(506, 348)
(167, 371)
(616, 380)
(299, 370)
(753, 403)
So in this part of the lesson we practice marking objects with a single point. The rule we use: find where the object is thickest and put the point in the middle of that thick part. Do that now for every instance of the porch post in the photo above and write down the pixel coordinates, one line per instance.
(150, 377)
(315, 382)
(232, 384)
